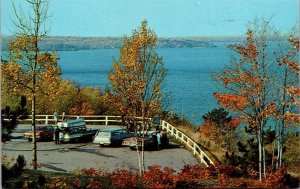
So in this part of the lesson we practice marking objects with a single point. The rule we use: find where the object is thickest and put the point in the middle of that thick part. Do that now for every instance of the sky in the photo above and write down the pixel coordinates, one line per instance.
(168, 18)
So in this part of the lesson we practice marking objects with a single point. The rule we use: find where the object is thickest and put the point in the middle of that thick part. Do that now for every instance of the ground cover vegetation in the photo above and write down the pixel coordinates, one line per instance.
(190, 176)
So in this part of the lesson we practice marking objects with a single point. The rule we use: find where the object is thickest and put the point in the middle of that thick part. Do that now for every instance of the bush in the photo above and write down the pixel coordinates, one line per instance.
(156, 177)
(124, 179)
(15, 170)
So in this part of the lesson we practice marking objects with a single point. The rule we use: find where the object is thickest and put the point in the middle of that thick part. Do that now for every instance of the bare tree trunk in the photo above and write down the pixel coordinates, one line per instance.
(278, 152)
(143, 157)
(264, 158)
(139, 158)
(259, 154)
(273, 155)
(143, 144)
(282, 125)
(33, 128)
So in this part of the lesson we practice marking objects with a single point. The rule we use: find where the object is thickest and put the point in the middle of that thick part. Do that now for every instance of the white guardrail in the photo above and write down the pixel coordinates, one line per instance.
(109, 120)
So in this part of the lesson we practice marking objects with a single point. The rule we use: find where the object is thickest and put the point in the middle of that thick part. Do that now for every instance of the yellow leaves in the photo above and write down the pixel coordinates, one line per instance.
(295, 42)
(136, 78)
(19, 72)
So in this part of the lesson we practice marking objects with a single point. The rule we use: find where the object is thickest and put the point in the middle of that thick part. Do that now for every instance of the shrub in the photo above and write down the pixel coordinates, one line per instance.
(14, 170)
(21, 162)
(156, 177)
(124, 179)
(276, 179)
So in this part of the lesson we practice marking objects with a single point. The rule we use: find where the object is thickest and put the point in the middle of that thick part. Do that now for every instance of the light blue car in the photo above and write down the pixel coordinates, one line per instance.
(111, 136)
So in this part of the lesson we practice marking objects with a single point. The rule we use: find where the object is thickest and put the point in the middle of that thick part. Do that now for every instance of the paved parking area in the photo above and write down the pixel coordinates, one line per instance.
(70, 156)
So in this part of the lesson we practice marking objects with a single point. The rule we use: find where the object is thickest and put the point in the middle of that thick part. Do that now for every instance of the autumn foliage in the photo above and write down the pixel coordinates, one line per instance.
(137, 78)
(190, 176)
(17, 72)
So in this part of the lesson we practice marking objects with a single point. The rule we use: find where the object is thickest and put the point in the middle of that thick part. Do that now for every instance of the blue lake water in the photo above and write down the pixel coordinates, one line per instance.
(189, 84)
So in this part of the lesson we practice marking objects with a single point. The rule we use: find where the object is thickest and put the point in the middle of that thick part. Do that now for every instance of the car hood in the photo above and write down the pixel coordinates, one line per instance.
(37, 132)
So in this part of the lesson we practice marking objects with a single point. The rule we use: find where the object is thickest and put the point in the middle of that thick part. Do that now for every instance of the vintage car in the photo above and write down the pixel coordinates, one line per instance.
(110, 136)
(41, 133)
(75, 131)
(150, 141)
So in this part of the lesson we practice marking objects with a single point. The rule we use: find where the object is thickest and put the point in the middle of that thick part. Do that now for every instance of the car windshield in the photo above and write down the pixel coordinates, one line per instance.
(148, 135)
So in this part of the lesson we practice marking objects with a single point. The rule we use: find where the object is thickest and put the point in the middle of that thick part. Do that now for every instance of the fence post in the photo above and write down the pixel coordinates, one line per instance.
(201, 156)
(194, 148)
(46, 120)
(106, 120)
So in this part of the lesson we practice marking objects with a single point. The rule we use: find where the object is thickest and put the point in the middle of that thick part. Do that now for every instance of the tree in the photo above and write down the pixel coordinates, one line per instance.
(10, 117)
(136, 80)
(28, 68)
(218, 126)
(247, 81)
(288, 93)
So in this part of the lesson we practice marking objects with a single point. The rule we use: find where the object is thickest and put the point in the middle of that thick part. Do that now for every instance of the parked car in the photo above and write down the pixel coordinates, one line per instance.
(150, 141)
(75, 131)
(110, 136)
(41, 133)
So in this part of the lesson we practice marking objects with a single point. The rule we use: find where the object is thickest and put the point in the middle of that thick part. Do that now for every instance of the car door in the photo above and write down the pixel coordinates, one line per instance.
(49, 131)
(124, 134)
(116, 135)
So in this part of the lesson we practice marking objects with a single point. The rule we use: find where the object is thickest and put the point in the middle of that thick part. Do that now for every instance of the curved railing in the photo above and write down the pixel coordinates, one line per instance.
(188, 142)
(111, 120)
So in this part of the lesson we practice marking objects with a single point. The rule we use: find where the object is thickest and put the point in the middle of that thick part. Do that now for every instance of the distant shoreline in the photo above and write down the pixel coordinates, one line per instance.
(70, 43)
(62, 43)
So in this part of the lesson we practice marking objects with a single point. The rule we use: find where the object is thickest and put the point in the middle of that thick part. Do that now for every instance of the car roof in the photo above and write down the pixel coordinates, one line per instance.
(110, 129)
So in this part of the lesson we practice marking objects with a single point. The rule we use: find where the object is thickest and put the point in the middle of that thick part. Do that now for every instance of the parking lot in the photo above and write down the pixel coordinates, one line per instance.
(69, 156)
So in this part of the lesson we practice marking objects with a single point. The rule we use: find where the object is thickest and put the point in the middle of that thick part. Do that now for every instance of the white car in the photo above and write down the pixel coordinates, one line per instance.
(110, 136)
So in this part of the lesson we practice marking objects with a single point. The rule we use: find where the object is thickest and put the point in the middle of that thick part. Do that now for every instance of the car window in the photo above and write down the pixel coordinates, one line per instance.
(115, 133)
(81, 129)
(103, 133)
(48, 128)
(74, 130)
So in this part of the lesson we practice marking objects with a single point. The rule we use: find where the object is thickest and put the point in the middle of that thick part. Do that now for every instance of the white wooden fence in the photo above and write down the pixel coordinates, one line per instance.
(188, 142)
(112, 120)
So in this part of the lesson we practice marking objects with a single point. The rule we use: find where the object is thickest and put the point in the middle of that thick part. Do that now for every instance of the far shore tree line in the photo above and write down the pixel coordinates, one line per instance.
(260, 94)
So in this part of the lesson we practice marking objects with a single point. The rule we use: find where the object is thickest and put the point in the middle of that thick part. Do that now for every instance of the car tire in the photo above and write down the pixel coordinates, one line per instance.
(101, 145)
(30, 139)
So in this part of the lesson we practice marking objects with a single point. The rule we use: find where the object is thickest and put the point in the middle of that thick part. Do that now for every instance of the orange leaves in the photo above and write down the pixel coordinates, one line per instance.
(293, 66)
(249, 52)
(294, 93)
(252, 84)
(270, 109)
(288, 59)
(232, 101)
(292, 118)
(234, 123)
